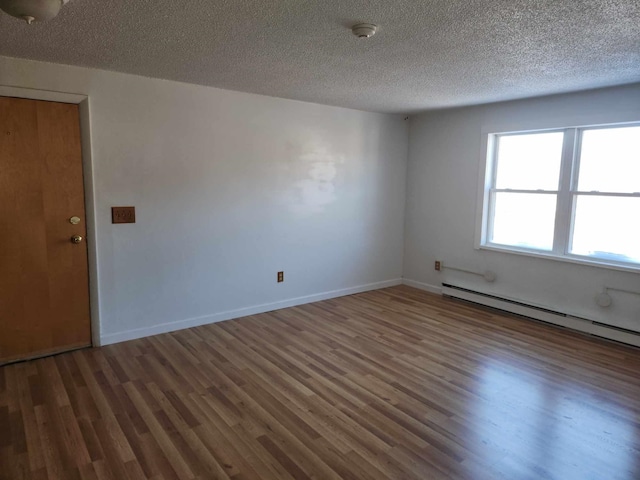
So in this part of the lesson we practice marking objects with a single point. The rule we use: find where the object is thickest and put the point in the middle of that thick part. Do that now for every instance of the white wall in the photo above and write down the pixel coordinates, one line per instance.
(229, 188)
(445, 152)
(232, 187)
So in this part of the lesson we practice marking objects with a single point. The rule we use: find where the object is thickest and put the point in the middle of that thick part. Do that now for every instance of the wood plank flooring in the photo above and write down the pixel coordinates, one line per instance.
(390, 384)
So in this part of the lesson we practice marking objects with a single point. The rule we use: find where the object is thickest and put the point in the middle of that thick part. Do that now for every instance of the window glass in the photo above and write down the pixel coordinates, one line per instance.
(530, 209)
(607, 227)
(524, 219)
(610, 160)
(529, 162)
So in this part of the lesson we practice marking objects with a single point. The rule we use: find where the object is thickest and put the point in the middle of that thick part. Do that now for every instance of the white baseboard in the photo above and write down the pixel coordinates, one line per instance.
(241, 312)
(422, 286)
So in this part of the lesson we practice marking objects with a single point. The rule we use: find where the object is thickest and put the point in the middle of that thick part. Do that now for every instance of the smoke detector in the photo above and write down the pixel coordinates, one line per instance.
(32, 10)
(364, 30)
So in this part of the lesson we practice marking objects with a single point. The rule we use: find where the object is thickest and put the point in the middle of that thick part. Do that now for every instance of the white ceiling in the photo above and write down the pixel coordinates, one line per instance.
(426, 55)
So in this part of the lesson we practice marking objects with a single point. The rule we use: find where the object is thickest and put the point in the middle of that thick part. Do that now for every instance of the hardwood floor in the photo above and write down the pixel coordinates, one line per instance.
(395, 383)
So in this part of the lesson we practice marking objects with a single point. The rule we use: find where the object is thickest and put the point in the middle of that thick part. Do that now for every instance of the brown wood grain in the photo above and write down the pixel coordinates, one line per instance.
(390, 384)
(44, 299)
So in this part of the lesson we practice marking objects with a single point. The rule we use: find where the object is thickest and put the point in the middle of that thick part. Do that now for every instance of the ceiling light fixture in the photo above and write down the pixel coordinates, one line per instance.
(32, 10)
(364, 30)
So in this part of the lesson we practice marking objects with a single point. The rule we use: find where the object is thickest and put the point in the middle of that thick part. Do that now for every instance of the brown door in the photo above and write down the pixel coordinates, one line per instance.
(44, 281)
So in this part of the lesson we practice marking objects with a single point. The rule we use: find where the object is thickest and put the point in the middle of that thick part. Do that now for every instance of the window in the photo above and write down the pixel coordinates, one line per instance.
(572, 193)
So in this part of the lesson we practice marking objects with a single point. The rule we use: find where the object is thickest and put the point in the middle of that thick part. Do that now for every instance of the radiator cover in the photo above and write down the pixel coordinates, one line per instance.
(544, 314)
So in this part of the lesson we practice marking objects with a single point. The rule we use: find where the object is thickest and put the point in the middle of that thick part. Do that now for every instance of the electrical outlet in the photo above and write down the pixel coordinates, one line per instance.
(280, 277)
(438, 265)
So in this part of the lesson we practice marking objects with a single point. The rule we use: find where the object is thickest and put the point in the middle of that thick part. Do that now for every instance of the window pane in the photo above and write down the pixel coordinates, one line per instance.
(610, 160)
(524, 220)
(607, 227)
(529, 162)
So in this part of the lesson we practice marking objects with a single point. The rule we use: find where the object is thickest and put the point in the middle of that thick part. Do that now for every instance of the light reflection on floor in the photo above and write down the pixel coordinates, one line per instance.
(570, 431)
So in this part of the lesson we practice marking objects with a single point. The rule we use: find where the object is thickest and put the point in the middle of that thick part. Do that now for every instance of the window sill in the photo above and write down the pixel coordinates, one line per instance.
(591, 262)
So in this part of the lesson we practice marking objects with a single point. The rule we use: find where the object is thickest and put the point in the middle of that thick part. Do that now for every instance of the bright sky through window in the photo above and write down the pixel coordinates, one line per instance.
(568, 193)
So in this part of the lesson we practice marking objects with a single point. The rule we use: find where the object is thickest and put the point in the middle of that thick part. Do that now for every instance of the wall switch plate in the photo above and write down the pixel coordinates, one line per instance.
(280, 277)
(438, 265)
(123, 214)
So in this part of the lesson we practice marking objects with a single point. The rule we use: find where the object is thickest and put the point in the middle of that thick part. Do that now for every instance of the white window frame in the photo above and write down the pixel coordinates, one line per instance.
(567, 194)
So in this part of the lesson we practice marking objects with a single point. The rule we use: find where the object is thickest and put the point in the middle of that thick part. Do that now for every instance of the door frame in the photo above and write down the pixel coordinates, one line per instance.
(83, 102)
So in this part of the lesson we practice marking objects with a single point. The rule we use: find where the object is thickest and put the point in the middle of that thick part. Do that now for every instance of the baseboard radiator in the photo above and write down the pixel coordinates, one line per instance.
(546, 315)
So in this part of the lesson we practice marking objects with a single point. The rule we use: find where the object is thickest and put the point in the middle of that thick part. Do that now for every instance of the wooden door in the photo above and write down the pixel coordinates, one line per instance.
(44, 281)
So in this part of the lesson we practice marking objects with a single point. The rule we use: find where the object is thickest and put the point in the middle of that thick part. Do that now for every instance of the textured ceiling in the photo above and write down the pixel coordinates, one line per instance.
(426, 55)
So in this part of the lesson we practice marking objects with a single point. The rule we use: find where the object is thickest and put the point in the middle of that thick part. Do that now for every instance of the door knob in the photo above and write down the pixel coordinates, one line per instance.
(76, 239)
